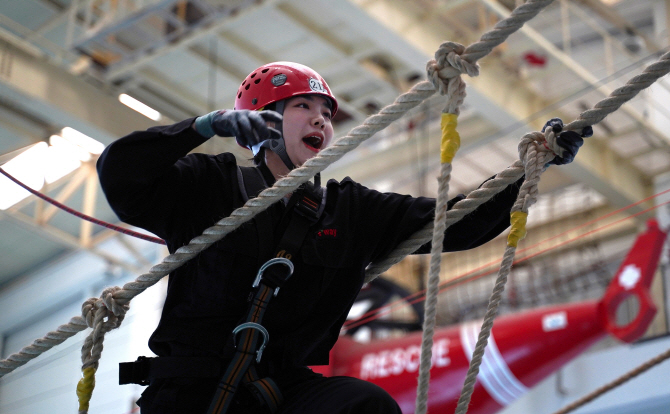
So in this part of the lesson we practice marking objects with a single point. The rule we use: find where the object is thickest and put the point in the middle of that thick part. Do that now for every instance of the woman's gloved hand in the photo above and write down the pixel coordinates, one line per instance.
(569, 141)
(248, 127)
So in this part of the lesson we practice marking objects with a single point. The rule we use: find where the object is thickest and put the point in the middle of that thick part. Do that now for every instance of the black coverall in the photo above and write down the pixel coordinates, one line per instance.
(152, 183)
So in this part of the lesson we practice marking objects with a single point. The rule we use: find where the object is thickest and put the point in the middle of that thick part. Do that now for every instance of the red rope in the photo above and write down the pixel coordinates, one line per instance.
(82, 215)
(420, 295)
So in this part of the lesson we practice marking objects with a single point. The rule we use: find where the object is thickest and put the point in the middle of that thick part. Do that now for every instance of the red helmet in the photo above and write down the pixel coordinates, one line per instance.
(280, 80)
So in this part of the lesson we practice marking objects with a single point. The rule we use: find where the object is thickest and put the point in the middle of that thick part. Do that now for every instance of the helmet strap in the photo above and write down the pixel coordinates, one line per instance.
(276, 144)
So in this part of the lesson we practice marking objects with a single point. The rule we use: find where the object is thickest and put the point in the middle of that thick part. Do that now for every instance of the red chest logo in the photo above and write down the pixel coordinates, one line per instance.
(327, 233)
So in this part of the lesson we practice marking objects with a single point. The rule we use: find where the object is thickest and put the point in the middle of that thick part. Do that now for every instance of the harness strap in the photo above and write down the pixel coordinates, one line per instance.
(247, 346)
(249, 337)
(140, 371)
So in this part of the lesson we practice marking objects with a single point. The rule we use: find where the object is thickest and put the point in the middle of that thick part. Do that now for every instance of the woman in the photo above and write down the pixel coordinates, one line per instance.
(282, 113)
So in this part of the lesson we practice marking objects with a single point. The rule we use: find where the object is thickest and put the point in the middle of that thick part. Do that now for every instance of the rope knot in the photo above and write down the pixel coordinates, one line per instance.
(537, 144)
(96, 310)
(444, 73)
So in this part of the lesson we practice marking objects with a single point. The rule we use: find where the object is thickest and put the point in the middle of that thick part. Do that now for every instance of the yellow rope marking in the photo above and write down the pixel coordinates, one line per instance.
(451, 141)
(85, 388)
(518, 231)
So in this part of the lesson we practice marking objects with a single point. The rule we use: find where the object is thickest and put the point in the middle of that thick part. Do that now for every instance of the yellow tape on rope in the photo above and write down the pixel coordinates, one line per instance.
(518, 231)
(451, 141)
(85, 388)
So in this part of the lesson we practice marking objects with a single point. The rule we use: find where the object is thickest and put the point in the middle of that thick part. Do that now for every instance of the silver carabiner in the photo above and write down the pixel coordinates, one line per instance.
(276, 260)
(259, 328)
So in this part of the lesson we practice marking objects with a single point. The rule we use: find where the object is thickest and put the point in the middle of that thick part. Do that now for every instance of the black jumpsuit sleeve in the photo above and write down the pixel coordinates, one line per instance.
(391, 218)
(150, 183)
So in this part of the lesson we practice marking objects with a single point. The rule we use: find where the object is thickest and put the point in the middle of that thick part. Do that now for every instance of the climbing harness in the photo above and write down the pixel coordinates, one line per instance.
(247, 350)
(106, 313)
(249, 339)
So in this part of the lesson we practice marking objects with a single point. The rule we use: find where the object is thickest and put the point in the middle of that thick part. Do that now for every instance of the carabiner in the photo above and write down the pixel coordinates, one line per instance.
(276, 260)
(259, 328)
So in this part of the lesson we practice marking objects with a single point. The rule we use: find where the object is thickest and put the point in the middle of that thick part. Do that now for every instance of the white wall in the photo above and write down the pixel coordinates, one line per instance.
(48, 383)
(648, 393)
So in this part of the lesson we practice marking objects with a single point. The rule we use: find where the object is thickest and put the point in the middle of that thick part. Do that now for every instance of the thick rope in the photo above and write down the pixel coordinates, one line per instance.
(356, 136)
(622, 95)
(103, 316)
(535, 156)
(454, 89)
(589, 117)
(464, 207)
(448, 62)
(430, 311)
(622, 379)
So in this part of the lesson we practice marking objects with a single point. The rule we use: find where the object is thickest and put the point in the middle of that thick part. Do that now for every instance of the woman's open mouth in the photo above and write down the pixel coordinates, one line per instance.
(313, 142)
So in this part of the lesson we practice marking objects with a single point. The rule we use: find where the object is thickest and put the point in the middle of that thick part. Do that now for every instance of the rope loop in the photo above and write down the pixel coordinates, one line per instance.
(543, 143)
(96, 310)
(88, 309)
(444, 72)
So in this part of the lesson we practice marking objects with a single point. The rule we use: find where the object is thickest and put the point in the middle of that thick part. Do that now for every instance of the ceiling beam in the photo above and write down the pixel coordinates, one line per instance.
(61, 99)
(189, 38)
(499, 96)
(610, 15)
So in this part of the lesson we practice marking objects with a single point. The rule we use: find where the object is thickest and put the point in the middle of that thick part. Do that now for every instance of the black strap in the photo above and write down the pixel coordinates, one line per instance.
(305, 206)
(144, 369)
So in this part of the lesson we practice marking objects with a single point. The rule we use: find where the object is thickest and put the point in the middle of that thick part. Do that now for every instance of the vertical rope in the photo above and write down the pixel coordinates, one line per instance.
(449, 146)
(535, 157)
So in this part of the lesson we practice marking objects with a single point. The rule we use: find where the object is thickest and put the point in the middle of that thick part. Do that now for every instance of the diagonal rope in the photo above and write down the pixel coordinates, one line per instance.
(617, 382)
(356, 136)
(590, 117)
(535, 156)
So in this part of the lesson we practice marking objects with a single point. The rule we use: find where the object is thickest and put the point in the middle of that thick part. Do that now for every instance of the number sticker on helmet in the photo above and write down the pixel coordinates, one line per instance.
(316, 86)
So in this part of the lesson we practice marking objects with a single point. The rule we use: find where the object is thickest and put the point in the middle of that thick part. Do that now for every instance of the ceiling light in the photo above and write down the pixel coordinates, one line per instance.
(71, 150)
(82, 140)
(138, 106)
(27, 167)
(62, 158)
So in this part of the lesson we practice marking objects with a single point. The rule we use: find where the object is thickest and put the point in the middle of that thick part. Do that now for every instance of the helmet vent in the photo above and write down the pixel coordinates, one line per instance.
(257, 81)
(252, 75)
(247, 87)
(245, 81)
(239, 95)
(265, 70)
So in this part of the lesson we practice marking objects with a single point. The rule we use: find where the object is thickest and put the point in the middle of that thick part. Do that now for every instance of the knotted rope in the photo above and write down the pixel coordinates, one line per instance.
(534, 156)
(445, 74)
(102, 316)
(355, 137)
(590, 117)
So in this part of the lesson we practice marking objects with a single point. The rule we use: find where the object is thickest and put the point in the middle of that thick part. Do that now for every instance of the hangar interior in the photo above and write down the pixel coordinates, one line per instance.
(71, 71)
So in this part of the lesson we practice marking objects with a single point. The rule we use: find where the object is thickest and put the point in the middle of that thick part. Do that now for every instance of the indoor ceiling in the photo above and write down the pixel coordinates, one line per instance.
(63, 63)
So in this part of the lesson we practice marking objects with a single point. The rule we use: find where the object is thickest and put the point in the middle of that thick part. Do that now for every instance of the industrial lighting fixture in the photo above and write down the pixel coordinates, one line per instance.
(138, 106)
(62, 158)
(82, 140)
(28, 167)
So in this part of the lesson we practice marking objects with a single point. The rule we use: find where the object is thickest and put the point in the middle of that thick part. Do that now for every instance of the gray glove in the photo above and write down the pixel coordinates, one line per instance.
(248, 127)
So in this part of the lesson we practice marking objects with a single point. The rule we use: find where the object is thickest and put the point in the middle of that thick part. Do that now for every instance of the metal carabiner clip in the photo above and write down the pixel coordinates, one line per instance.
(276, 260)
(259, 328)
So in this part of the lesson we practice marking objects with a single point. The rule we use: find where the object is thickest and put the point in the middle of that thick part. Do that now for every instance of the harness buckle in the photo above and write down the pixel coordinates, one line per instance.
(307, 206)
(135, 372)
(276, 260)
(259, 328)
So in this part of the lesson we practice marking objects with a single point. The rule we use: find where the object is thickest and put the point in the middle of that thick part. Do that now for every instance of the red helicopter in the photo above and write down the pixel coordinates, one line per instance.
(523, 349)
